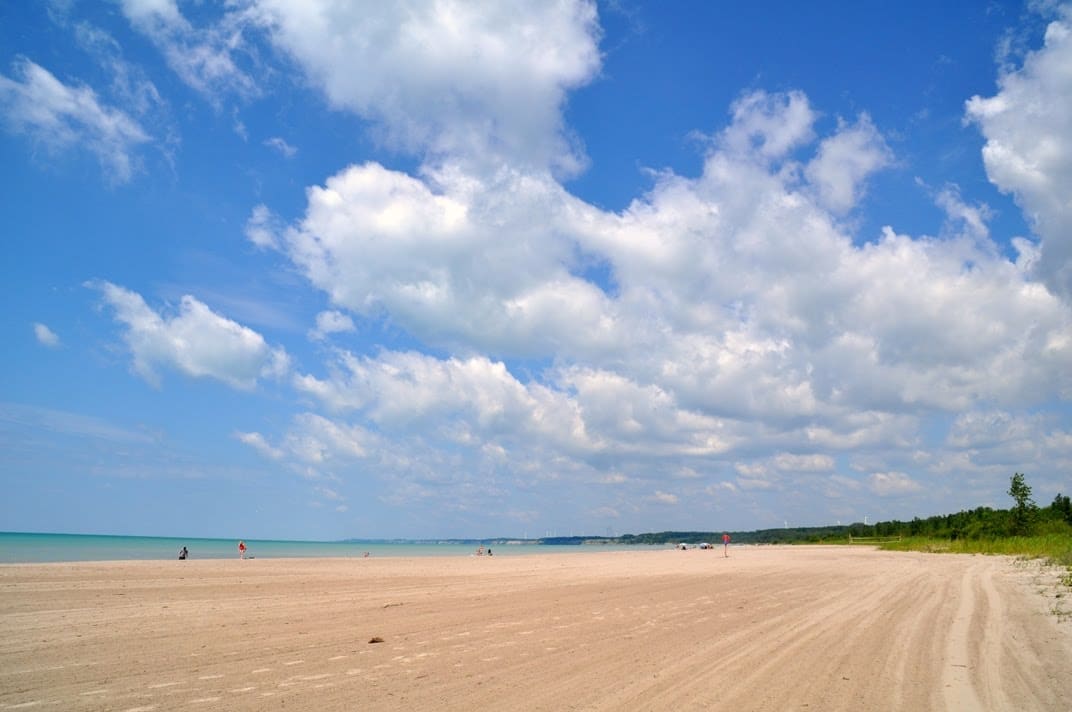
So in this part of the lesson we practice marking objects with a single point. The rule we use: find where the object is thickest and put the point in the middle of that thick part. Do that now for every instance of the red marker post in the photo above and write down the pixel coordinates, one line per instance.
(726, 545)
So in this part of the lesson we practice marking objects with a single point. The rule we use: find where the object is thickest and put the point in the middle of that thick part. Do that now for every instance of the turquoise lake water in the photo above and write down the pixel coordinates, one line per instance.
(43, 548)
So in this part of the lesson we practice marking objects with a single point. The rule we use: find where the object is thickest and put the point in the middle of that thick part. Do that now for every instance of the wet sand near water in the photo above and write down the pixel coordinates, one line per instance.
(769, 628)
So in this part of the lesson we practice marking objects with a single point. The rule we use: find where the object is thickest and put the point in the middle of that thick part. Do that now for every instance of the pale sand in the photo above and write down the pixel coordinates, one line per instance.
(769, 628)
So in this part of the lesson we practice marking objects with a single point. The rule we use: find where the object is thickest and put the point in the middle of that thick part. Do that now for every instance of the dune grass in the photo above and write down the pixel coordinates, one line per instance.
(1054, 548)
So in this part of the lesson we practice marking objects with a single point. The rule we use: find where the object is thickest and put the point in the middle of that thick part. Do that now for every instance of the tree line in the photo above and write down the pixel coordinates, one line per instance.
(1024, 518)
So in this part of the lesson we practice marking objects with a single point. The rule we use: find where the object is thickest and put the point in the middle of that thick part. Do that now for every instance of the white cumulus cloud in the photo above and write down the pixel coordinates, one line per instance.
(331, 322)
(194, 341)
(769, 126)
(738, 316)
(448, 78)
(725, 325)
(1028, 151)
(431, 254)
(845, 160)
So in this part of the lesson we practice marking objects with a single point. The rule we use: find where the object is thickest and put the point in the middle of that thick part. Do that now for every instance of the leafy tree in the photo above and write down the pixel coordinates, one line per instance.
(1062, 507)
(1023, 514)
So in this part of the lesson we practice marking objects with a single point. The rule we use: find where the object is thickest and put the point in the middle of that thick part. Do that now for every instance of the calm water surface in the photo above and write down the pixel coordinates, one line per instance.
(43, 548)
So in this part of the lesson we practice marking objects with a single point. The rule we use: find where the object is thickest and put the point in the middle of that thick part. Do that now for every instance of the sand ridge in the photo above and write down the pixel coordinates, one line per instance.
(769, 628)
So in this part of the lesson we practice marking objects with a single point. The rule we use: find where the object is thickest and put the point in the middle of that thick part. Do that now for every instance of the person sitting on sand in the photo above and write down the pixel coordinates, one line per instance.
(183, 554)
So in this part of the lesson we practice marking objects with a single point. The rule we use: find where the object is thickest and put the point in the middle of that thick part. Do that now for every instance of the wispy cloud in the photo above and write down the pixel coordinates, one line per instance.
(284, 148)
(61, 117)
(258, 443)
(46, 336)
(664, 497)
(888, 484)
(72, 424)
(202, 57)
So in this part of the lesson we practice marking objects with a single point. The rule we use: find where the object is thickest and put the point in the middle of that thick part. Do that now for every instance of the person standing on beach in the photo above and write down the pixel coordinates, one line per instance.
(183, 554)
(241, 549)
(725, 546)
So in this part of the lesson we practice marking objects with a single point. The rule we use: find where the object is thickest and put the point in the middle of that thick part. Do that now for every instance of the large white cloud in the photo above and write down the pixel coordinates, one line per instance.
(195, 341)
(470, 398)
(61, 117)
(713, 321)
(584, 414)
(450, 78)
(457, 260)
(1028, 151)
(771, 303)
(736, 292)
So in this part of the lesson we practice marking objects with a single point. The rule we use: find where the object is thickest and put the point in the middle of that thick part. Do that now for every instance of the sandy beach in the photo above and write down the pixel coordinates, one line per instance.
(769, 628)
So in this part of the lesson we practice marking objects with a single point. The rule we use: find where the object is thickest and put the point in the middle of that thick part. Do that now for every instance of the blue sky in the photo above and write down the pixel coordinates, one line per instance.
(321, 270)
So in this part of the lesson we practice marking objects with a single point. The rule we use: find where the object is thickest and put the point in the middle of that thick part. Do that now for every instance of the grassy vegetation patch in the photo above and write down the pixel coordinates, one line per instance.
(1054, 548)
